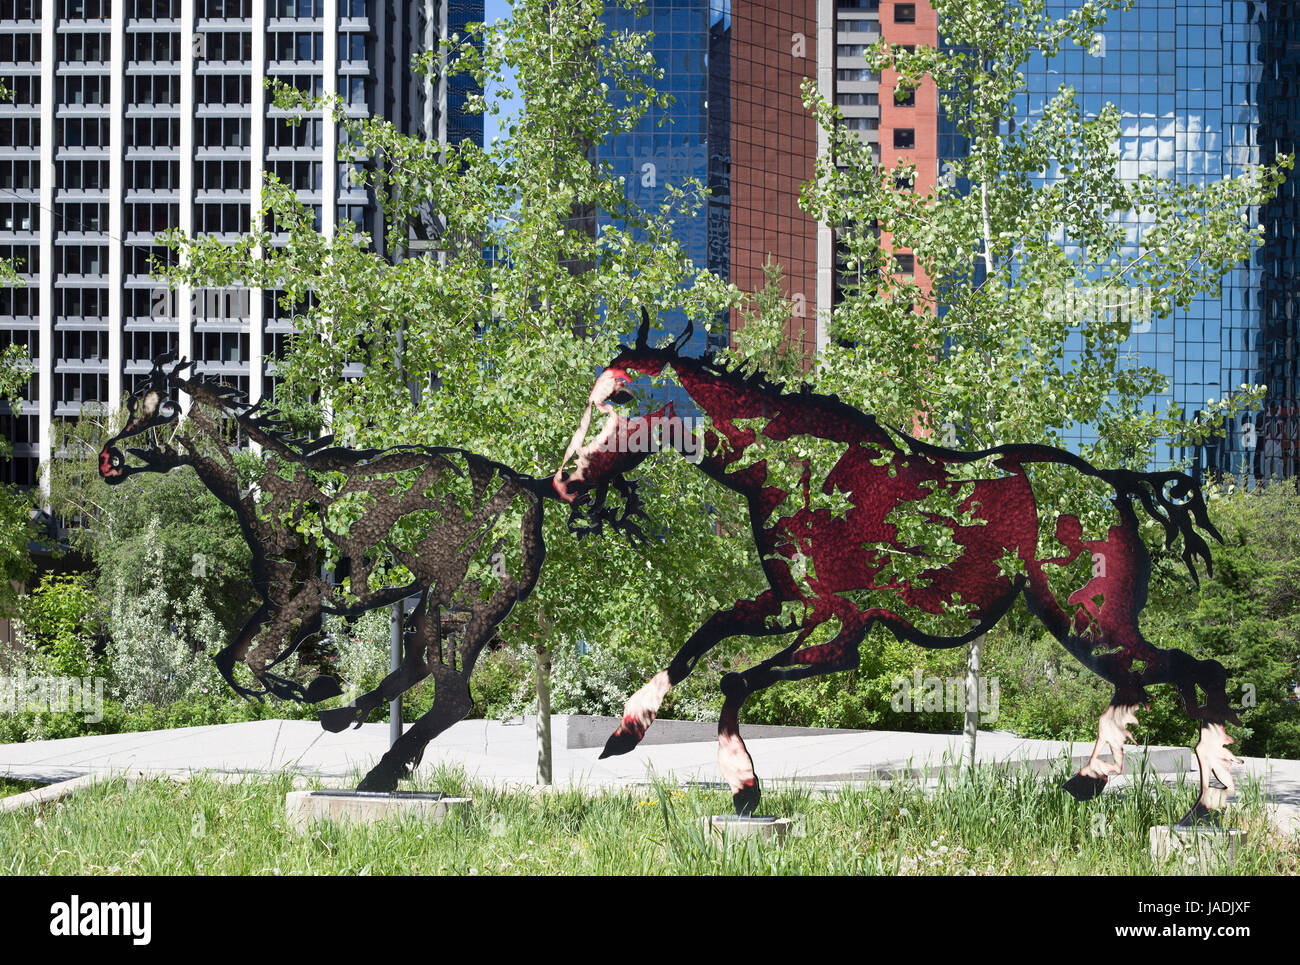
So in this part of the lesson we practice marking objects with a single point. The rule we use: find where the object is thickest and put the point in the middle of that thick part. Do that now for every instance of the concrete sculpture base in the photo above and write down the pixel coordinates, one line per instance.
(1201, 848)
(366, 807)
(725, 826)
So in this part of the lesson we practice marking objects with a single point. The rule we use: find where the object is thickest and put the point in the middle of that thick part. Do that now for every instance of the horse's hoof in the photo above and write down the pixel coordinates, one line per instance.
(746, 799)
(338, 720)
(379, 780)
(620, 742)
(1201, 817)
(1084, 788)
(322, 688)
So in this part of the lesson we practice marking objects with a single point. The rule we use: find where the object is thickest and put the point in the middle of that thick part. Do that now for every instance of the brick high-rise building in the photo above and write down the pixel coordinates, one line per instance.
(738, 125)
(736, 68)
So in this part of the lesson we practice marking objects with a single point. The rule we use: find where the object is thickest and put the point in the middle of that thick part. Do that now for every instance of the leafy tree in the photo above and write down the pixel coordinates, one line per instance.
(59, 620)
(1248, 615)
(17, 528)
(764, 341)
(156, 652)
(1018, 247)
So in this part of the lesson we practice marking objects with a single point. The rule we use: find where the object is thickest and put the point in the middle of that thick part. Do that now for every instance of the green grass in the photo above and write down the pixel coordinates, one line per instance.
(9, 785)
(994, 823)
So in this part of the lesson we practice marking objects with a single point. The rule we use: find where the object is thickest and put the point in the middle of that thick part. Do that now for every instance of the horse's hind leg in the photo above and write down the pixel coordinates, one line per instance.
(1113, 647)
(748, 617)
(839, 653)
(1213, 758)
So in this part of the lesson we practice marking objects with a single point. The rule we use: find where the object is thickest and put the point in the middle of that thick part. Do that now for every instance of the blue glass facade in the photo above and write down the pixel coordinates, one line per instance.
(462, 126)
(1205, 90)
(691, 138)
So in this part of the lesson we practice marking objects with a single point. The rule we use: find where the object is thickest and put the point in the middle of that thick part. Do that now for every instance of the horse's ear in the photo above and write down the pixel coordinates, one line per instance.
(685, 337)
(181, 366)
(158, 375)
(643, 330)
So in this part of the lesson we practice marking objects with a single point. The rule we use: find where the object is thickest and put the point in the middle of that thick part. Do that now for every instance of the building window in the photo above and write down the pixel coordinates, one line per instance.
(904, 13)
(907, 100)
(904, 138)
(906, 263)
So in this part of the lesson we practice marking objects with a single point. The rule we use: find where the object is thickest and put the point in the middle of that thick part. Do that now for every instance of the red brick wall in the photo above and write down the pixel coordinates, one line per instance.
(923, 118)
(773, 147)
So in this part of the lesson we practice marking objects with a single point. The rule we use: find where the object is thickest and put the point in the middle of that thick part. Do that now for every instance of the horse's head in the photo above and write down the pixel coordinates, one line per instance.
(611, 438)
(152, 405)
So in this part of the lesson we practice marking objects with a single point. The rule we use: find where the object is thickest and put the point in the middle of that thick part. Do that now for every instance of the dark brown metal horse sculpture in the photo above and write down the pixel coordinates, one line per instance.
(462, 531)
(836, 502)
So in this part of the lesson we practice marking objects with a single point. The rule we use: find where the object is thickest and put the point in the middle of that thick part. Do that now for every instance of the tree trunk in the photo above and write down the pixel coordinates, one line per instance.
(543, 676)
(972, 701)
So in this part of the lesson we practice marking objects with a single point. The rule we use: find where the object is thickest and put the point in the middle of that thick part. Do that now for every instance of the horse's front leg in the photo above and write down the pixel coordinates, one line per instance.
(303, 610)
(1112, 733)
(750, 617)
(792, 663)
(238, 649)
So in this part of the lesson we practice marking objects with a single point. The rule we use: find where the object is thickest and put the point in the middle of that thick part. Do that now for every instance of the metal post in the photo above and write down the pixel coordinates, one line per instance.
(394, 660)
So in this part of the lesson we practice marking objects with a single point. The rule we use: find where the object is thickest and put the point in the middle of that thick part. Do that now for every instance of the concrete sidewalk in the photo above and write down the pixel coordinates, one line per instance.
(505, 754)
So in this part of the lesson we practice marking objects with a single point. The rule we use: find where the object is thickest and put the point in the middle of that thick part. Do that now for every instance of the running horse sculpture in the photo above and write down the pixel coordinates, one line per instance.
(836, 503)
(462, 531)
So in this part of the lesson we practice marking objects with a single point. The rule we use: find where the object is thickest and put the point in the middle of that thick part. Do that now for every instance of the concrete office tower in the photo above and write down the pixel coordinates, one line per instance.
(130, 117)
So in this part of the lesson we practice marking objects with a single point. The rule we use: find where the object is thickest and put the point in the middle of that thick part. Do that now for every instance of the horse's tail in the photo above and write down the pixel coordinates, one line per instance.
(1175, 500)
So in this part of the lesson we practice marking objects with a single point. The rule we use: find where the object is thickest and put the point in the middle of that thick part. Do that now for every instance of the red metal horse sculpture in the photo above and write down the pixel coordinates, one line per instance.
(835, 499)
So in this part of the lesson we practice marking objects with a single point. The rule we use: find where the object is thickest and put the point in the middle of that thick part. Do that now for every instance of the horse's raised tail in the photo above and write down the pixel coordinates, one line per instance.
(1176, 501)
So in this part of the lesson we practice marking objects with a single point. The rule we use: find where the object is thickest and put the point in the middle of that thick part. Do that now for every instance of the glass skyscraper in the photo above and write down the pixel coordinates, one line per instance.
(1206, 89)
(688, 139)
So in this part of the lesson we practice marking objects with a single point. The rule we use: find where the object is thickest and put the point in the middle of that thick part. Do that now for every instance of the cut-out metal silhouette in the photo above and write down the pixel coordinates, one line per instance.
(463, 532)
(837, 505)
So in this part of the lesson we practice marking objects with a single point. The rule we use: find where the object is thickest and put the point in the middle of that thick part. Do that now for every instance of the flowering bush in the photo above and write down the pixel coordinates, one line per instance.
(160, 650)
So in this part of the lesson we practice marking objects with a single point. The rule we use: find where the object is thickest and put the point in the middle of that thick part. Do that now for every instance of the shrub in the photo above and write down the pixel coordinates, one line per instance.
(160, 649)
(56, 627)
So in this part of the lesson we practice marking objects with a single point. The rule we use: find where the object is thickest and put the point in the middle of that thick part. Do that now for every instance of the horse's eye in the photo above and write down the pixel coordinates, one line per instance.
(167, 409)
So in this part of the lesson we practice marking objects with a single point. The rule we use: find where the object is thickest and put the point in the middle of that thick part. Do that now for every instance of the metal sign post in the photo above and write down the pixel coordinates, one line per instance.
(394, 660)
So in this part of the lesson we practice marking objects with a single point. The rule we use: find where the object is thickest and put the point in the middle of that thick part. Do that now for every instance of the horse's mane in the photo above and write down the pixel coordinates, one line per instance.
(744, 374)
(264, 419)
